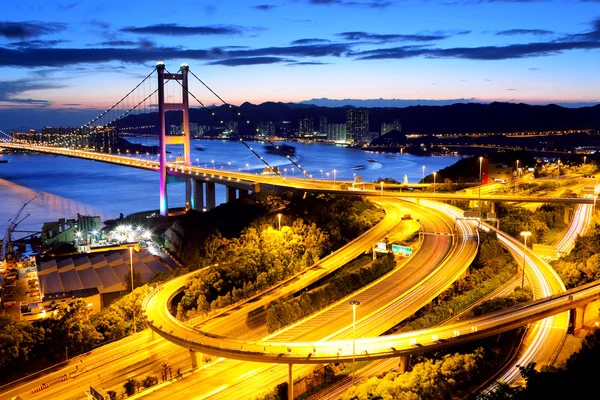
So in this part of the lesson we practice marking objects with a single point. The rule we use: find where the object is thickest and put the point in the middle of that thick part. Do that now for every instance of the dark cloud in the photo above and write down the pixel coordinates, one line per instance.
(125, 43)
(514, 32)
(479, 53)
(55, 57)
(356, 36)
(29, 29)
(72, 104)
(351, 3)
(236, 62)
(264, 7)
(179, 30)
(9, 90)
(307, 63)
(310, 41)
(37, 43)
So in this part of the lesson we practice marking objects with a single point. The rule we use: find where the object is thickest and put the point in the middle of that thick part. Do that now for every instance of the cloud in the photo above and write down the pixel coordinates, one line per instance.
(512, 89)
(351, 3)
(29, 29)
(264, 7)
(514, 32)
(356, 36)
(72, 104)
(307, 63)
(533, 69)
(144, 43)
(36, 43)
(310, 41)
(9, 90)
(179, 30)
(236, 62)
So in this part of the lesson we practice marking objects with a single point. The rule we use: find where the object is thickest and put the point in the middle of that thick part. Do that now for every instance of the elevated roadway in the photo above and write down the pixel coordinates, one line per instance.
(255, 182)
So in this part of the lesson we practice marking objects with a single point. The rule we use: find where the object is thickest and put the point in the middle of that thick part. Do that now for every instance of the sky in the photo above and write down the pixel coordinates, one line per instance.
(63, 62)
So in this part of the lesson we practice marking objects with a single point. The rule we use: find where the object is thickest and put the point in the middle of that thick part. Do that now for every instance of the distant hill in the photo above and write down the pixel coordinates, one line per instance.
(392, 138)
(456, 118)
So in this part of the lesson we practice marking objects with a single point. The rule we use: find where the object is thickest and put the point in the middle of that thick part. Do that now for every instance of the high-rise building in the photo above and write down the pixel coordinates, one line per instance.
(388, 127)
(306, 126)
(336, 132)
(357, 122)
(323, 124)
(232, 126)
(266, 128)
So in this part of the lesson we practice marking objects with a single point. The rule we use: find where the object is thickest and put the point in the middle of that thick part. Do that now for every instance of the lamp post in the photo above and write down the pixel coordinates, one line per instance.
(132, 296)
(213, 163)
(279, 218)
(334, 172)
(584, 157)
(248, 167)
(434, 174)
(518, 174)
(198, 161)
(353, 303)
(525, 234)
(229, 163)
(423, 180)
(382, 189)
(321, 174)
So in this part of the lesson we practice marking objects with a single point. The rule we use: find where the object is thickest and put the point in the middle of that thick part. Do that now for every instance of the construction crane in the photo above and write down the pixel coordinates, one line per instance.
(14, 222)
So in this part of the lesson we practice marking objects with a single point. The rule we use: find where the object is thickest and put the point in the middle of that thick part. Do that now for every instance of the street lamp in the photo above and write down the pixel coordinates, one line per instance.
(434, 174)
(381, 188)
(248, 167)
(584, 157)
(518, 174)
(279, 218)
(132, 295)
(353, 303)
(198, 161)
(525, 234)
(423, 174)
(213, 163)
(321, 174)
(334, 171)
(229, 162)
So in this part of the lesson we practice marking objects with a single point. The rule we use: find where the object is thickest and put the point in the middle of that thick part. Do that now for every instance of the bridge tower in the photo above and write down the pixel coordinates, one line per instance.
(164, 140)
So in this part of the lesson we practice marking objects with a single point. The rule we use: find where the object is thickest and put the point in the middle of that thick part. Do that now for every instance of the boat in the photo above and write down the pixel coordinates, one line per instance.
(282, 149)
(371, 160)
(200, 147)
(3, 161)
(358, 167)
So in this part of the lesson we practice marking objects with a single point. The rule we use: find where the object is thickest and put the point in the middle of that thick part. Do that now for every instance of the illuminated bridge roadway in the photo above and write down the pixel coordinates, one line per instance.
(245, 182)
(319, 352)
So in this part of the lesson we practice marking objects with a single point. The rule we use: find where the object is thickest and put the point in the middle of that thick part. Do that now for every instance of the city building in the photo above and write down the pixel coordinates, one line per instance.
(266, 129)
(70, 230)
(498, 172)
(388, 127)
(323, 125)
(336, 132)
(357, 122)
(306, 126)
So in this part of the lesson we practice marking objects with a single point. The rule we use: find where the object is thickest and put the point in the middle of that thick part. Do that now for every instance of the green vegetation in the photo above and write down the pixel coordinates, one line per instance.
(519, 295)
(582, 264)
(574, 380)
(514, 220)
(285, 312)
(430, 379)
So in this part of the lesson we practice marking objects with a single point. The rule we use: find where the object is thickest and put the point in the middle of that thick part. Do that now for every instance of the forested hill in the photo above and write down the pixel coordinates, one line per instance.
(456, 118)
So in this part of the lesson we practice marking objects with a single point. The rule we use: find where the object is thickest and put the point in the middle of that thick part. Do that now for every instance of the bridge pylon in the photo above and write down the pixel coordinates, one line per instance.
(164, 140)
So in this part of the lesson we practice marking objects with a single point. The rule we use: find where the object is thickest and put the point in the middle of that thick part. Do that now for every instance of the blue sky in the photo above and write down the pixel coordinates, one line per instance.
(63, 61)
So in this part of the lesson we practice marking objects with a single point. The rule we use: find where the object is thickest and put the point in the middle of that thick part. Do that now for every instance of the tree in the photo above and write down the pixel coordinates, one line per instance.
(137, 280)
(17, 339)
(130, 386)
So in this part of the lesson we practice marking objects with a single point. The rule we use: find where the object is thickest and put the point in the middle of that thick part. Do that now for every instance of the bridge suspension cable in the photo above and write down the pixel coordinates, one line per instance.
(5, 134)
(247, 121)
(241, 139)
(120, 101)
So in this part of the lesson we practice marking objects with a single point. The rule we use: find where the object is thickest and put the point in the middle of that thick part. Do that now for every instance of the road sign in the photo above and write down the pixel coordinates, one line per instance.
(381, 247)
(471, 214)
(402, 250)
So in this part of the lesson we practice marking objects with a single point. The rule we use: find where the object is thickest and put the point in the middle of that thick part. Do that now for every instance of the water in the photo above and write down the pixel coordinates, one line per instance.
(67, 186)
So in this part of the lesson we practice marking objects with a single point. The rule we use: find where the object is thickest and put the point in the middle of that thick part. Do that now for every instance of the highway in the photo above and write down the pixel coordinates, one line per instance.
(383, 304)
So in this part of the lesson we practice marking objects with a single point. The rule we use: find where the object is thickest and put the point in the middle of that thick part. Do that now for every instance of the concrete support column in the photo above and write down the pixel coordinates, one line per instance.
(198, 199)
(418, 202)
(566, 214)
(290, 383)
(404, 364)
(492, 206)
(189, 201)
(472, 203)
(467, 272)
(579, 317)
(230, 193)
(243, 193)
(211, 199)
(194, 358)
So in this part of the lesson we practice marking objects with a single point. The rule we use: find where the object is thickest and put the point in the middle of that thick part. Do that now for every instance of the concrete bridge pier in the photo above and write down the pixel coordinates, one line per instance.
(198, 199)
(194, 358)
(579, 317)
(290, 395)
(566, 214)
(492, 206)
(404, 363)
(211, 199)
(189, 198)
(230, 193)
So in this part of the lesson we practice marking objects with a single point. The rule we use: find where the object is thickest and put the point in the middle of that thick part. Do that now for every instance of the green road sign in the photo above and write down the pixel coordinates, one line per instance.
(403, 250)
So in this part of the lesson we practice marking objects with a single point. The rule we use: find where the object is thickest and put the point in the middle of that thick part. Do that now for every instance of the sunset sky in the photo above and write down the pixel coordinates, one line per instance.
(63, 62)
